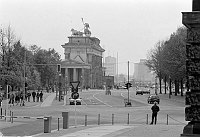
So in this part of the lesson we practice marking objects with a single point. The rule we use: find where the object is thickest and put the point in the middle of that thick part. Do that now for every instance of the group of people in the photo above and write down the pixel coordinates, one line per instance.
(38, 96)
(18, 97)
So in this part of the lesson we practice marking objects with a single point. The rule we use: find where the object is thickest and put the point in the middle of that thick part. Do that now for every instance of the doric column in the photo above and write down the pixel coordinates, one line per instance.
(192, 112)
(74, 74)
(83, 77)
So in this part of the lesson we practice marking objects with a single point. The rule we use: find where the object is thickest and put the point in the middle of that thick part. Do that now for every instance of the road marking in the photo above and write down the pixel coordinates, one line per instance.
(101, 100)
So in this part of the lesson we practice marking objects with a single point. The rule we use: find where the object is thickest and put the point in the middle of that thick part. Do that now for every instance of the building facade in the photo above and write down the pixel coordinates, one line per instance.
(142, 74)
(110, 65)
(83, 60)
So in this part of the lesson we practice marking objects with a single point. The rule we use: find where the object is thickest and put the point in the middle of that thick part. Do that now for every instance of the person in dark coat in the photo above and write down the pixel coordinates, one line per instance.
(17, 98)
(155, 109)
(41, 96)
(21, 99)
(33, 95)
(12, 98)
(28, 96)
(38, 96)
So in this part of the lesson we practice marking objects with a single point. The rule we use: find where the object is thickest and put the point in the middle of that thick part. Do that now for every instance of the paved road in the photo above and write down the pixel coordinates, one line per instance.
(94, 103)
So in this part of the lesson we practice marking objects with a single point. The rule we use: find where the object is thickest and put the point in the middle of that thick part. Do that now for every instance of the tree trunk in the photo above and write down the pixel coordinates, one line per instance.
(165, 86)
(170, 86)
(176, 87)
(160, 84)
(181, 87)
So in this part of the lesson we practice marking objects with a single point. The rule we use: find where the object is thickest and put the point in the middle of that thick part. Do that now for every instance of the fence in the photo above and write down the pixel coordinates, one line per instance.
(99, 119)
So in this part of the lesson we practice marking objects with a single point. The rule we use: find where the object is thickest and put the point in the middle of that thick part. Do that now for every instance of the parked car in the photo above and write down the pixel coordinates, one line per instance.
(139, 92)
(153, 98)
(72, 101)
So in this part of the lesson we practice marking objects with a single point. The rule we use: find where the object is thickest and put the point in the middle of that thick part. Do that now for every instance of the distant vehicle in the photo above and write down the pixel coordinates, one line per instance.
(142, 91)
(121, 87)
(146, 91)
(139, 92)
(153, 98)
(72, 101)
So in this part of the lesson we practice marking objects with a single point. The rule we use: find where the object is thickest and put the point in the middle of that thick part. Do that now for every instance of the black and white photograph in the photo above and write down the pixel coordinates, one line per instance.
(100, 68)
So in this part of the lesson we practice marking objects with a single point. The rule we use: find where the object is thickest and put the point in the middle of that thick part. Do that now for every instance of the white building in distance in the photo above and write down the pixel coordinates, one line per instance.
(142, 73)
(110, 65)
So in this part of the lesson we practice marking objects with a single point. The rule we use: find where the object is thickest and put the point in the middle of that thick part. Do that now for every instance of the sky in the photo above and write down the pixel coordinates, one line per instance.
(129, 28)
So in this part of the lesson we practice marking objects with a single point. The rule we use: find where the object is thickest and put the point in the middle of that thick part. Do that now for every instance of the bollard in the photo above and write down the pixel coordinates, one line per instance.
(58, 124)
(167, 119)
(10, 115)
(12, 118)
(147, 119)
(98, 119)
(85, 120)
(128, 119)
(112, 119)
(1, 112)
(5, 114)
(47, 124)
(65, 116)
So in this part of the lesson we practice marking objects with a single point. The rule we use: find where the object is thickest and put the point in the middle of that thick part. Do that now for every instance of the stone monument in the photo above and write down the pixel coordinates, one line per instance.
(192, 112)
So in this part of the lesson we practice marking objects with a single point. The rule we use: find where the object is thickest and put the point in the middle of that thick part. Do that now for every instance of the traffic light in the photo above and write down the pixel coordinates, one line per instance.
(58, 68)
(128, 85)
(26, 85)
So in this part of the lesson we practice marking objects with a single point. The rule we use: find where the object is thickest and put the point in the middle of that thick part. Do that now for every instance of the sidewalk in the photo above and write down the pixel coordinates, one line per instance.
(118, 131)
(48, 101)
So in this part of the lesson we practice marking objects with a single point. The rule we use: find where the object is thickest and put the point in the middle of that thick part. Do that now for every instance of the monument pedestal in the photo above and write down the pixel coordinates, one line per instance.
(191, 130)
(192, 112)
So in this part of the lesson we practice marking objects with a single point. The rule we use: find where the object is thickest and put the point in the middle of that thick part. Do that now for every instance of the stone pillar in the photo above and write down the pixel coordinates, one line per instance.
(192, 112)
(83, 77)
(74, 74)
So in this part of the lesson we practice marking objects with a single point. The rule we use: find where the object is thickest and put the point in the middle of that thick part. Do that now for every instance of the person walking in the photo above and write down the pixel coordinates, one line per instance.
(21, 99)
(155, 109)
(17, 98)
(12, 98)
(33, 95)
(1, 99)
(41, 96)
(28, 96)
(38, 96)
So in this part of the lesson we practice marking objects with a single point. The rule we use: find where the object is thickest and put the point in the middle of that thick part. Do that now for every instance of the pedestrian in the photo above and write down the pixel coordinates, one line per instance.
(21, 99)
(12, 98)
(28, 96)
(33, 95)
(1, 99)
(41, 96)
(155, 109)
(38, 96)
(17, 98)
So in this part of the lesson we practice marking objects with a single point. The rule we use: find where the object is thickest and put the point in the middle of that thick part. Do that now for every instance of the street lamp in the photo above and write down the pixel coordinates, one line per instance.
(66, 85)
(59, 86)
(156, 85)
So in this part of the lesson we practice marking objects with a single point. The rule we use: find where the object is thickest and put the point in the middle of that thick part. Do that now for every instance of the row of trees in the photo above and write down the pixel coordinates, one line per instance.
(168, 60)
(22, 65)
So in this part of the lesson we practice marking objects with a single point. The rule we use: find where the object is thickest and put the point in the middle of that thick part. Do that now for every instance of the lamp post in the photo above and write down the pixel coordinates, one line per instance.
(66, 85)
(59, 86)
(156, 86)
(170, 87)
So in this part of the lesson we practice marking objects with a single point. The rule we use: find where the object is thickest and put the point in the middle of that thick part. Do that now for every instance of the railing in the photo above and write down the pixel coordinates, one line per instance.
(101, 119)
